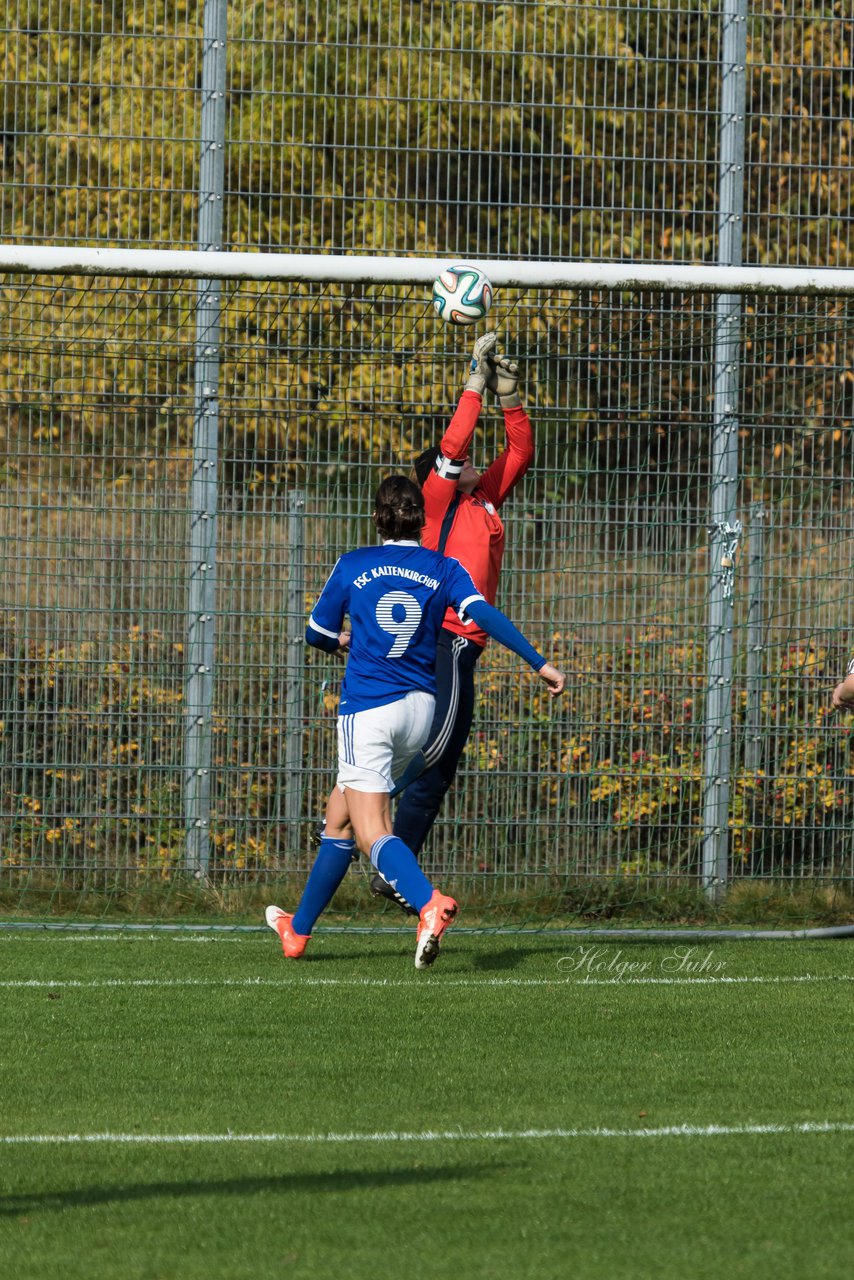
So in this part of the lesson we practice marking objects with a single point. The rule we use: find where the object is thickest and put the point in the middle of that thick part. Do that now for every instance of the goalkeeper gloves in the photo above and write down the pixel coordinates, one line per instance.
(481, 364)
(503, 379)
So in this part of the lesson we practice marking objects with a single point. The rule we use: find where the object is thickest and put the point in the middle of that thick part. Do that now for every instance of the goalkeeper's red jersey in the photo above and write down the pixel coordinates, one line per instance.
(476, 536)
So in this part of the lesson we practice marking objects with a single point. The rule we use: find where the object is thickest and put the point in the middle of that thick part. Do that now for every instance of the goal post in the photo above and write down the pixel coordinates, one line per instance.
(335, 268)
(176, 485)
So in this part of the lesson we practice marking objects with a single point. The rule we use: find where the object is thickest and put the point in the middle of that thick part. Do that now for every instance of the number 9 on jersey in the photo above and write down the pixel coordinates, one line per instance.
(398, 613)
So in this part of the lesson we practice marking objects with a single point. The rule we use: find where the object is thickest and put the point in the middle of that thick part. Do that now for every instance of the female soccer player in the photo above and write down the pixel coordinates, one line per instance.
(396, 596)
(462, 520)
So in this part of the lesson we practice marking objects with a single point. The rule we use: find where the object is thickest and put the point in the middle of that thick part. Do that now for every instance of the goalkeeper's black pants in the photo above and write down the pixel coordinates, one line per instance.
(456, 659)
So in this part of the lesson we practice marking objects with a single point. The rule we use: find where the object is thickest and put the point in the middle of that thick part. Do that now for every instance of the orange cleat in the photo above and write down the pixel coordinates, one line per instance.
(293, 944)
(432, 923)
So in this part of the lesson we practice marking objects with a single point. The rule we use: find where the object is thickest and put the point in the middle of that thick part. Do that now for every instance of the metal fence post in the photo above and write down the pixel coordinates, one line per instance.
(201, 604)
(753, 745)
(724, 454)
(294, 677)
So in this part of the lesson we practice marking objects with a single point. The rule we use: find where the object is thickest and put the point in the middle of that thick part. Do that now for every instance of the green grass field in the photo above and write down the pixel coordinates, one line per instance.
(196, 1106)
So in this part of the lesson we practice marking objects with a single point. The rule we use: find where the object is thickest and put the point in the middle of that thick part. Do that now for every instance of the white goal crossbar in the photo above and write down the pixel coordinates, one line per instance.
(322, 268)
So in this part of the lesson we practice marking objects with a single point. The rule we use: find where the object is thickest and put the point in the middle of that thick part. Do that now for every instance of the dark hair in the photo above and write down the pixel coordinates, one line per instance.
(424, 464)
(399, 508)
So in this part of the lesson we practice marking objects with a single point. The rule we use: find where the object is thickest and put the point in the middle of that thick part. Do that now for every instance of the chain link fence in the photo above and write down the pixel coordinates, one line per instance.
(676, 132)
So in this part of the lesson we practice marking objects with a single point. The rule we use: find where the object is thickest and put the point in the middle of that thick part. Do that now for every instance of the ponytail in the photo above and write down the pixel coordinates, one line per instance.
(399, 509)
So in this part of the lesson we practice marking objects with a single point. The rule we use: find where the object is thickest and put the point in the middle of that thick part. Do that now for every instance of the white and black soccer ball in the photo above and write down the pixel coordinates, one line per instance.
(462, 295)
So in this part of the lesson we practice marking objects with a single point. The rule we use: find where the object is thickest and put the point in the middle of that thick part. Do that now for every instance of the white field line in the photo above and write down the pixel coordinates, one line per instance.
(39, 935)
(447, 1135)
(162, 983)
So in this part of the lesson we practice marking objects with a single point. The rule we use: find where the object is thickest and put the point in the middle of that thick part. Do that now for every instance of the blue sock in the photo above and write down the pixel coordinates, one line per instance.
(330, 867)
(396, 863)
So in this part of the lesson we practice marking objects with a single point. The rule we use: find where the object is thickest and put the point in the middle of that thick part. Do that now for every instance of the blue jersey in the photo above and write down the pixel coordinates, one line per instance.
(396, 596)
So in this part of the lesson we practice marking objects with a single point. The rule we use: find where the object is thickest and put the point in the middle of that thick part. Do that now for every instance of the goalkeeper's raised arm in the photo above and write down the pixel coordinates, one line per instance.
(445, 471)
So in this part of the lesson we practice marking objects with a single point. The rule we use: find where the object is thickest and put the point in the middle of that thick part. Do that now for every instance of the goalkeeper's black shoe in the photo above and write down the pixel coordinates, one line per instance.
(381, 888)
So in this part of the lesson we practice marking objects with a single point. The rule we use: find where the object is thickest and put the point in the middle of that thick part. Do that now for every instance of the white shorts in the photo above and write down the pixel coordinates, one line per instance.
(374, 747)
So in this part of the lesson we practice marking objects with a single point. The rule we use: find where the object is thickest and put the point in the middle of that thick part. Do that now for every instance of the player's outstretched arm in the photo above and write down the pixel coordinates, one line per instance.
(498, 625)
(502, 475)
(440, 485)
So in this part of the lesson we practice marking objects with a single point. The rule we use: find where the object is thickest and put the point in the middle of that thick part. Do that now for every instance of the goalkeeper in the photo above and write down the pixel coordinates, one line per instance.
(462, 520)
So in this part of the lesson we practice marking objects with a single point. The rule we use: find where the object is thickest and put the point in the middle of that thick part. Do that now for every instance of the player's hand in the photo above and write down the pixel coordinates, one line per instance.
(554, 680)
(843, 696)
(343, 644)
(503, 379)
(481, 363)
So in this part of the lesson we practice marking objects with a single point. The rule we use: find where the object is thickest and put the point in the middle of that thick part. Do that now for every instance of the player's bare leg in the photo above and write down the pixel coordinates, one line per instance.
(338, 824)
(370, 817)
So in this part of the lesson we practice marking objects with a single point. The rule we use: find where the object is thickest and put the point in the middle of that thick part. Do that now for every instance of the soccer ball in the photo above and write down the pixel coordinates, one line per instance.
(462, 295)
